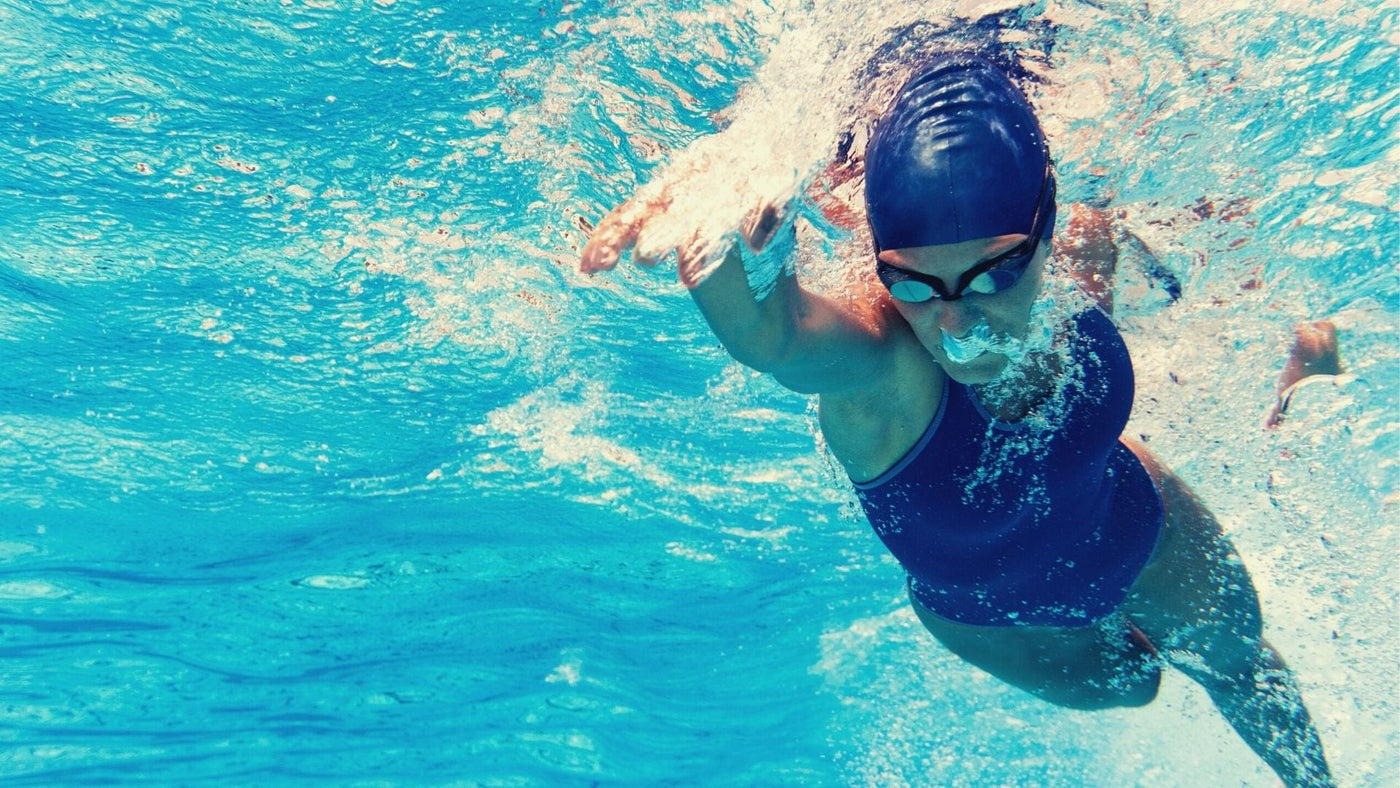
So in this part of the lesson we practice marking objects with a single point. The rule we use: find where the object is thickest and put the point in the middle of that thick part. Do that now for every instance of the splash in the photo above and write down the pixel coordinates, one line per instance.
(980, 340)
(829, 69)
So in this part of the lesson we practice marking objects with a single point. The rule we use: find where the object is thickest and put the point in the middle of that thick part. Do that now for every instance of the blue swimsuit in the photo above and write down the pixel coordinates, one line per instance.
(1042, 522)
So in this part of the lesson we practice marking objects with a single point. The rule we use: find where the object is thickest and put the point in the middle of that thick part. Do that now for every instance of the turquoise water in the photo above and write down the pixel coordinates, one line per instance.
(321, 462)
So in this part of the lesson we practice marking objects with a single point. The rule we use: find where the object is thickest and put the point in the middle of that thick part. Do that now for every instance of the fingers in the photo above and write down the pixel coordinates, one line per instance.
(613, 235)
(690, 266)
(691, 259)
(623, 230)
(618, 232)
(759, 226)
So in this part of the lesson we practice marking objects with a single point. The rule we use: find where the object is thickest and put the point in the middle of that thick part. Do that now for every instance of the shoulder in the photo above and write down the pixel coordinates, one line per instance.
(1108, 381)
(870, 426)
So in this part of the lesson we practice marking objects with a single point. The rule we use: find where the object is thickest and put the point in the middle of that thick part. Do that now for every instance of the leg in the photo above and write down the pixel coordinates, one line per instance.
(1092, 667)
(1197, 603)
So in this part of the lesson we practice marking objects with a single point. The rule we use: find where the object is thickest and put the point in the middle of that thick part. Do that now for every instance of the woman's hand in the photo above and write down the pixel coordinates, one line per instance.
(718, 188)
(639, 225)
(617, 233)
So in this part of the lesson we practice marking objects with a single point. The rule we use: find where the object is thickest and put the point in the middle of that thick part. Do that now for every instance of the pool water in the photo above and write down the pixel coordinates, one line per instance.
(322, 463)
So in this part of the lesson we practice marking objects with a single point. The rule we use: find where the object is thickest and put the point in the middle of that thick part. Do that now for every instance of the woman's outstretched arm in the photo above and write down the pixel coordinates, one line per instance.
(810, 343)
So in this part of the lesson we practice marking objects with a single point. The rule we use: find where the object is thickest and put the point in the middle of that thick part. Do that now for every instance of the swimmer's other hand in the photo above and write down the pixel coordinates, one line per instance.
(760, 225)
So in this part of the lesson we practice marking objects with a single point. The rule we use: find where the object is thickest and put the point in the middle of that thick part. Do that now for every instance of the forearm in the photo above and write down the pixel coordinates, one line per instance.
(1087, 246)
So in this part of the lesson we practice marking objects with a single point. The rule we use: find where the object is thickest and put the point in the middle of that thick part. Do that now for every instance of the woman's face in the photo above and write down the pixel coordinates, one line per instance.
(940, 324)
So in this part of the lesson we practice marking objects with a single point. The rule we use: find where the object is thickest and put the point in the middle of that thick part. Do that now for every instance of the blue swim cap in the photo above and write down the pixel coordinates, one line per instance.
(958, 155)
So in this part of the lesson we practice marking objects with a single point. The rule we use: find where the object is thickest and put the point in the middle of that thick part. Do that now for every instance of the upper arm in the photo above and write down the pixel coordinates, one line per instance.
(878, 387)
(835, 345)
(812, 344)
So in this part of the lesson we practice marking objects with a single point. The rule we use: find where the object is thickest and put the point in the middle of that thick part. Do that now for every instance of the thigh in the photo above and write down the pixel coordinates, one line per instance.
(1195, 600)
(1091, 667)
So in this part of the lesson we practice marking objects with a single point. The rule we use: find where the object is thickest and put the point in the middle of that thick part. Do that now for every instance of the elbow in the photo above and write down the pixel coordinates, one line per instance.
(781, 361)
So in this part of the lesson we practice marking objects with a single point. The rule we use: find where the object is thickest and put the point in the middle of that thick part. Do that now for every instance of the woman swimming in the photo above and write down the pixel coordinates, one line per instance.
(977, 407)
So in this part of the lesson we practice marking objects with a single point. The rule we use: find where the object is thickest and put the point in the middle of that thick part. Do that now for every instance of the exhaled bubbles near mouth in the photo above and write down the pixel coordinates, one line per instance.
(1052, 309)
(978, 341)
(969, 346)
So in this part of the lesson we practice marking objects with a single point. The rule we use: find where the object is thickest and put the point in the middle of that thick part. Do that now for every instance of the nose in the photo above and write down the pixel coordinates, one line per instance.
(957, 317)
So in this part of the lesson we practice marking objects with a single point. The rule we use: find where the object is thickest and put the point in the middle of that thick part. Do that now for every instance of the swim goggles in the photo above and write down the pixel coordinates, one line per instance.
(989, 276)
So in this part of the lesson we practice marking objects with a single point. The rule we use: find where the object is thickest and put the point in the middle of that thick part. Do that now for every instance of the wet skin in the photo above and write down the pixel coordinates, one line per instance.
(1006, 313)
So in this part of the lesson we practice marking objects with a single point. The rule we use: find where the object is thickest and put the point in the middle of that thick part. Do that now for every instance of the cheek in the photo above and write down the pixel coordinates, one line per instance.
(1014, 318)
(923, 321)
(912, 313)
(1011, 320)
(1014, 313)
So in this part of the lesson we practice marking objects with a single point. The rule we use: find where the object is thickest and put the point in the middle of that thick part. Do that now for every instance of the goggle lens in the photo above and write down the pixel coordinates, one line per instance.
(910, 290)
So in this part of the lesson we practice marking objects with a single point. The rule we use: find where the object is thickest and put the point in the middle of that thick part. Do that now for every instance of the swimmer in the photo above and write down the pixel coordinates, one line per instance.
(977, 400)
